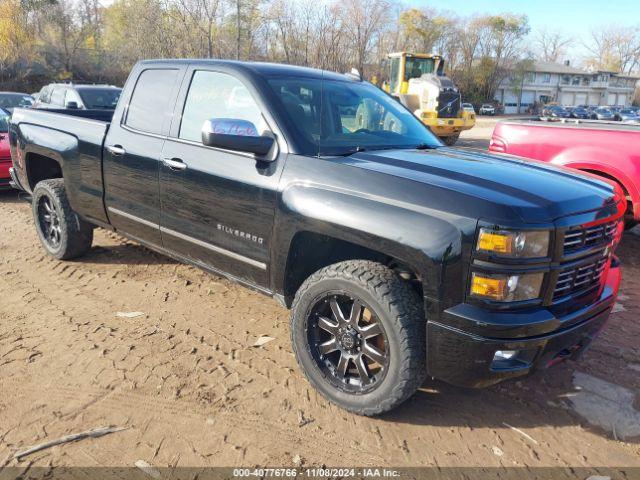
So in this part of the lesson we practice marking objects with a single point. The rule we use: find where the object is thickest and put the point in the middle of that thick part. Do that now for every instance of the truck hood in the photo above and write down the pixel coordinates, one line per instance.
(535, 191)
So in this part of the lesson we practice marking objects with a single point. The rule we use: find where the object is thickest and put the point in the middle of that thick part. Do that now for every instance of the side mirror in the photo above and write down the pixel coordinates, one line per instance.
(71, 105)
(235, 134)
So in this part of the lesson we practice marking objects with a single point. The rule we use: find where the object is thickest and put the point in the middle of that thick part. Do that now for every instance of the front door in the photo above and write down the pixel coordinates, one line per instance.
(132, 154)
(218, 205)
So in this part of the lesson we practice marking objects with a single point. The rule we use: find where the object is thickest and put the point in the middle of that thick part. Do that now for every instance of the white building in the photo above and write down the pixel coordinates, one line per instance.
(566, 85)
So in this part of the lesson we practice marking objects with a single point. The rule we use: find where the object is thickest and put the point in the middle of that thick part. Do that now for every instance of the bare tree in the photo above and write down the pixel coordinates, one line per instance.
(551, 44)
(366, 19)
(614, 48)
(202, 15)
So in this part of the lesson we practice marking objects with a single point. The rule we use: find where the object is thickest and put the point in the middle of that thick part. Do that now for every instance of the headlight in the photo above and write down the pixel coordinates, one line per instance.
(506, 288)
(524, 244)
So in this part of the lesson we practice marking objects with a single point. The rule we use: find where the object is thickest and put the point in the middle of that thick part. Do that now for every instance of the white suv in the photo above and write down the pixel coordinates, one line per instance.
(487, 109)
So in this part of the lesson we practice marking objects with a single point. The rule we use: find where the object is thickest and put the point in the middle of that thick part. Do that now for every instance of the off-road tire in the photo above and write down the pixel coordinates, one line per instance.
(76, 235)
(450, 140)
(400, 311)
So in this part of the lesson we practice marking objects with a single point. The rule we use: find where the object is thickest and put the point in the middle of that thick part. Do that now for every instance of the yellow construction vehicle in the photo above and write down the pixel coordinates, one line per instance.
(419, 83)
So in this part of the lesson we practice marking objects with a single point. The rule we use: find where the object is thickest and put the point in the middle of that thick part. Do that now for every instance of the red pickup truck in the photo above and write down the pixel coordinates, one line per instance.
(607, 149)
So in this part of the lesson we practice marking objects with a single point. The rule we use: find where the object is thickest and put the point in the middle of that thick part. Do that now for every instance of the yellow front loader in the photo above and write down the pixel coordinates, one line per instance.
(419, 83)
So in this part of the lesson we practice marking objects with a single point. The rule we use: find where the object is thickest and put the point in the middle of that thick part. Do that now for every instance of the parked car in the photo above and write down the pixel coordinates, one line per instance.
(11, 100)
(5, 155)
(463, 266)
(555, 111)
(614, 109)
(580, 112)
(487, 109)
(82, 97)
(468, 107)
(626, 115)
(602, 113)
(608, 150)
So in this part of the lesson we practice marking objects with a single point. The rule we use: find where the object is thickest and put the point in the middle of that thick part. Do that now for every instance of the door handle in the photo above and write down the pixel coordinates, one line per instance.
(174, 163)
(116, 150)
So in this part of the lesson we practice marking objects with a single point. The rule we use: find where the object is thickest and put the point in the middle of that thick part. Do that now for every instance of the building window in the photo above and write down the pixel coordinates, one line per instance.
(575, 81)
(586, 81)
(546, 78)
(565, 80)
(530, 77)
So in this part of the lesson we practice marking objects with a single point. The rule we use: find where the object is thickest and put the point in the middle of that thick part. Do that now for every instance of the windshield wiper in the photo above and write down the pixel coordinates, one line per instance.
(425, 146)
(351, 152)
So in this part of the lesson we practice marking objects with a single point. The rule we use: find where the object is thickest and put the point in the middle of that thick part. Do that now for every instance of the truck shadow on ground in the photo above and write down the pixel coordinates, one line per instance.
(9, 196)
(542, 399)
(125, 254)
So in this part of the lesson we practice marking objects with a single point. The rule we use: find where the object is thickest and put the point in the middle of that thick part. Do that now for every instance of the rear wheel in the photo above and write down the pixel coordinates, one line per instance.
(359, 336)
(450, 140)
(63, 234)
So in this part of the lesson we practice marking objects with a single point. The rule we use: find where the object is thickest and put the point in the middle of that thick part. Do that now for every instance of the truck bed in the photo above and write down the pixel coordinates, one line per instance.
(576, 123)
(75, 141)
(92, 114)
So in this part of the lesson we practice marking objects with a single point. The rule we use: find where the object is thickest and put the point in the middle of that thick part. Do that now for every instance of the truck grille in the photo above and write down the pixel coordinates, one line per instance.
(577, 238)
(580, 278)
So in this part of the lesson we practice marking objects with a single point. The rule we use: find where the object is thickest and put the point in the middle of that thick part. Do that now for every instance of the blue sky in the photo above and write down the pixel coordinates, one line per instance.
(575, 18)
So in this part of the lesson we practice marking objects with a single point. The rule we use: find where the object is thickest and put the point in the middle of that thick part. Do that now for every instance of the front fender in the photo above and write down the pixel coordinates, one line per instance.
(425, 240)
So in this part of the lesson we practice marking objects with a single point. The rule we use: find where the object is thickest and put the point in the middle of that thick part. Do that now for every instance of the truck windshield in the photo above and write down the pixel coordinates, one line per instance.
(341, 117)
(100, 98)
(416, 67)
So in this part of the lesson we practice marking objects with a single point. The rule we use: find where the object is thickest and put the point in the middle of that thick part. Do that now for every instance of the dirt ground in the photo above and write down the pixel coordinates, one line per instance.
(186, 381)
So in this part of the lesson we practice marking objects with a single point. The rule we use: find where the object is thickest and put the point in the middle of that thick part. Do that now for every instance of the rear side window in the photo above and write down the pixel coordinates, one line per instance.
(45, 95)
(57, 97)
(150, 101)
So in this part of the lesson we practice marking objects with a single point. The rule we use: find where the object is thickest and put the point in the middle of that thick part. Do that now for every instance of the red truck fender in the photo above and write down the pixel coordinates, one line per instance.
(571, 158)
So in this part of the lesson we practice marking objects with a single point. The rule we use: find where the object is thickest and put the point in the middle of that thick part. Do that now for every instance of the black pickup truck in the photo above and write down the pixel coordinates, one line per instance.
(400, 258)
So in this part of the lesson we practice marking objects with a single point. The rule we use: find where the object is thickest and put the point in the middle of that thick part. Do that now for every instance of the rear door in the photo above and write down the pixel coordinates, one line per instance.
(218, 205)
(132, 153)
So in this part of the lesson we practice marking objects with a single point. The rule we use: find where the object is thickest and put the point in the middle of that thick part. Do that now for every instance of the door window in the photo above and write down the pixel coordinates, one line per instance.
(220, 96)
(150, 101)
(45, 95)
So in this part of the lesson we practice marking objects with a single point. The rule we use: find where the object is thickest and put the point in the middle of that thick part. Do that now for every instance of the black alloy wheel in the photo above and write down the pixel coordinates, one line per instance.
(348, 342)
(49, 219)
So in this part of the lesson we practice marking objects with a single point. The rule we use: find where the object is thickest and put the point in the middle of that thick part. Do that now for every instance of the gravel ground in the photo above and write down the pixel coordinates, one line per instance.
(192, 390)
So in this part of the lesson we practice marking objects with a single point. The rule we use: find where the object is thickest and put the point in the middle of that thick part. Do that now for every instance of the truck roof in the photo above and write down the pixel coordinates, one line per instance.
(257, 68)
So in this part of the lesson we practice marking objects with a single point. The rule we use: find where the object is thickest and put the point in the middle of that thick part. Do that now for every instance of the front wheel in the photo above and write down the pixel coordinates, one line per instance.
(450, 140)
(63, 234)
(358, 333)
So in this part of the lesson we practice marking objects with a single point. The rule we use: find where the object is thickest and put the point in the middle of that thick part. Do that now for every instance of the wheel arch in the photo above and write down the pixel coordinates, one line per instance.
(311, 251)
(40, 167)
(610, 171)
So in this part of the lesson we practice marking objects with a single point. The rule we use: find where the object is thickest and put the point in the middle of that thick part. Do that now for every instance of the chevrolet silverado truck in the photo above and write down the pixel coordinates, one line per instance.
(399, 257)
(605, 149)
